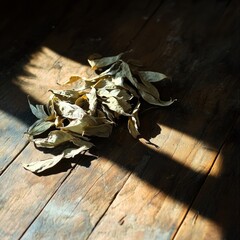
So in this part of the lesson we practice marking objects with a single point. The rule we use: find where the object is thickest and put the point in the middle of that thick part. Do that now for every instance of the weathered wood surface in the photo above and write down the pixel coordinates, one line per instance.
(215, 211)
(166, 184)
(22, 29)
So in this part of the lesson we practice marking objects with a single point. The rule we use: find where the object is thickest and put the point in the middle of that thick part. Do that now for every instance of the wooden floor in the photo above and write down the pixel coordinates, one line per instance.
(181, 179)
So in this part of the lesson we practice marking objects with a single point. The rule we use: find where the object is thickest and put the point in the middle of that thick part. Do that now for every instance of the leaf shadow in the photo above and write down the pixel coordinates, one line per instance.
(212, 59)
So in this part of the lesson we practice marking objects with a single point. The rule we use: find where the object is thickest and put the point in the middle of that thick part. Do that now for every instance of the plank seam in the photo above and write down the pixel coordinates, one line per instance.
(69, 6)
(112, 200)
(141, 170)
(16, 156)
(53, 194)
(207, 174)
(64, 179)
(90, 188)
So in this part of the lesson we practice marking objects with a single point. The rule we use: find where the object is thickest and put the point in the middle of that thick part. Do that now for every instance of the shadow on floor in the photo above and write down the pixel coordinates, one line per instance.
(204, 82)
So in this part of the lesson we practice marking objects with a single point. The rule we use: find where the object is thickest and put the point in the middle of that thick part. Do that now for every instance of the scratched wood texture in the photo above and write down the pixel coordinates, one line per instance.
(180, 179)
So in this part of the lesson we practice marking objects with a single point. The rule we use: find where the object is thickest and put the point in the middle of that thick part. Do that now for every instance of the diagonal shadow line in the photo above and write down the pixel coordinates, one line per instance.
(163, 172)
(167, 163)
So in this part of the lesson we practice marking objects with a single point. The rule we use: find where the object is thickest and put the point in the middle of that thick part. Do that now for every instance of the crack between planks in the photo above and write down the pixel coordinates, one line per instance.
(140, 169)
(116, 194)
(112, 200)
(90, 188)
(50, 198)
(15, 157)
(69, 6)
(205, 179)
(218, 153)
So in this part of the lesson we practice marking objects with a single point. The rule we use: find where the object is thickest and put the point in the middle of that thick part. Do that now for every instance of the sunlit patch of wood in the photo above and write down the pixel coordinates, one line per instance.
(48, 70)
(197, 225)
(184, 149)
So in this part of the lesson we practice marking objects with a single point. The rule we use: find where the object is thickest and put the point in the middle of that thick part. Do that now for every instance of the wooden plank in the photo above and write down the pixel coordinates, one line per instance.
(122, 22)
(136, 193)
(215, 212)
(152, 204)
(22, 28)
(26, 199)
(84, 197)
(189, 143)
(23, 195)
(152, 172)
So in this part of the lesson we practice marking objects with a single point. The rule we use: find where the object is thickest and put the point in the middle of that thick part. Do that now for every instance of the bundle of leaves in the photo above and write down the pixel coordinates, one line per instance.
(92, 109)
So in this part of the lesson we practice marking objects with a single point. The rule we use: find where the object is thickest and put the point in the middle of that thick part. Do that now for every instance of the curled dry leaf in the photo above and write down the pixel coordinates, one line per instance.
(133, 122)
(152, 76)
(105, 61)
(92, 99)
(40, 126)
(38, 111)
(54, 139)
(91, 110)
(41, 166)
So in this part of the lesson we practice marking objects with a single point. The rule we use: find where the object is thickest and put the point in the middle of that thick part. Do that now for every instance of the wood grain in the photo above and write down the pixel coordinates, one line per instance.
(47, 67)
(172, 177)
(217, 204)
(22, 30)
(24, 194)
(188, 144)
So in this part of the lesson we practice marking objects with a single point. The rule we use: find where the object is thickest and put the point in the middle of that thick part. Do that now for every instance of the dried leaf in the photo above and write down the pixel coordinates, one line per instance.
(126, 72)
(135, 113)
(65, 94)
(80, 143)
(103, 62)
(40, 126)
(72, 79)
(103, 130)
(90, 81)
(151, 95)
(133, 122)
(54, 139)
(151, 76)
(38, 110)
(68, 110)
(131, 90)
(118, 81)
(105, 83)
(108, 113)
(118, 106)
(133, 127)
(51, 110)
(149, 88)
(79, 125)
(59, 122)
(121, 94)
(103, 92)
(114, 68)
(93, 106)
(117, 93)
(92, 98)
(154, 101)
(41, 166)
(72, 152)
(82, 102)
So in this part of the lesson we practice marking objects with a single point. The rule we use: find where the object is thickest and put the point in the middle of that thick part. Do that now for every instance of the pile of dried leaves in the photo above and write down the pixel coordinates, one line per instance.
(91, 110)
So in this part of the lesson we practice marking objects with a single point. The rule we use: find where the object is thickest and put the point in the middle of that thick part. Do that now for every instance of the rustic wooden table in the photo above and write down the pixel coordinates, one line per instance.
(185, 184)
